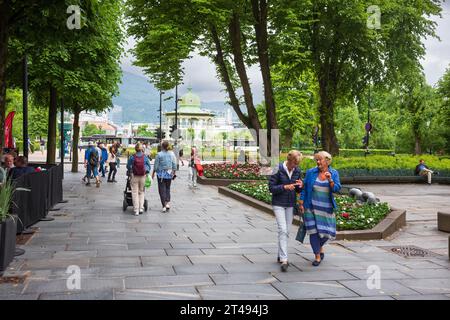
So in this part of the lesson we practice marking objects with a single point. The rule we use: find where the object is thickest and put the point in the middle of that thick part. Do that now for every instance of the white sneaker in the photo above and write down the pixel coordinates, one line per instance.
(167, 206)
(136, 213)
(164, 209)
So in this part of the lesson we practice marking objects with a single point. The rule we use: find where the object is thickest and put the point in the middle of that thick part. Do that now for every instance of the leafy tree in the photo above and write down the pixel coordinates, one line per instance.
(191, 135)
(443, 116)
(346, 55)
(142, 131)
(233, 34)
(90, 129)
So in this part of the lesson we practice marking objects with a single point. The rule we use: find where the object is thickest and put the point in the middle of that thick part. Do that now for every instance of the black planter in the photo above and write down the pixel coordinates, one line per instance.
(8, 230)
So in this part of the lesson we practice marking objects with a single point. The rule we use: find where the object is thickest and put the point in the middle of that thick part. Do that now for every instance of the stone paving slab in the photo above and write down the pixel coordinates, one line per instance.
(243, 278)
(60, 285)
(428, 286)
(76, 295)
(167, 281)
(388, 287)
(313, 290)
(240, 292)
(158, 293)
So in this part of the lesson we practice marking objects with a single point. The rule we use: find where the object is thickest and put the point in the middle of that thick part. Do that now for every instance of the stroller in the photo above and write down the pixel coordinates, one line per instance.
(127, 198)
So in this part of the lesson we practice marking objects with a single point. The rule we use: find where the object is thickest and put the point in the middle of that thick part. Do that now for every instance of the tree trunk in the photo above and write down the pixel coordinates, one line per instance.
(235, 35)
(417, 143)
(260, 15)
(3, 60)
(220, 62)
(287, 141)
(51, 134)
(75, 139)
(326, 111)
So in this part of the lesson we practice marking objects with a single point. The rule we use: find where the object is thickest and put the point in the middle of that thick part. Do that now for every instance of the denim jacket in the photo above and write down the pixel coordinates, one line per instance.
(310, 178)
(165, 161)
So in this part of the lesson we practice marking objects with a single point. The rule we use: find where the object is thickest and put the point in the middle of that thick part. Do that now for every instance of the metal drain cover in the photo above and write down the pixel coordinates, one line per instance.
(410, 251)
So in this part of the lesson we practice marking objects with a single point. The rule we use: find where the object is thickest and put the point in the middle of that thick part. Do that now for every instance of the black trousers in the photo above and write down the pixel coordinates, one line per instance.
(112, 170)
(164, 190)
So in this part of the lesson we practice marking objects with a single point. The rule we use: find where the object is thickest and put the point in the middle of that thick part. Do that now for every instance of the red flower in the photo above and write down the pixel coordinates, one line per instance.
(345, 215)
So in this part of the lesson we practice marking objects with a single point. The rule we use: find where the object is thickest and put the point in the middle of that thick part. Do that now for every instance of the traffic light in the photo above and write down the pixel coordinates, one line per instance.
(172, 129)
(160, 134)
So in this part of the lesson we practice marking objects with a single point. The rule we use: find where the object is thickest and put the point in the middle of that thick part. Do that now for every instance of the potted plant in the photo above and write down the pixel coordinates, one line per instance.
(8, 226)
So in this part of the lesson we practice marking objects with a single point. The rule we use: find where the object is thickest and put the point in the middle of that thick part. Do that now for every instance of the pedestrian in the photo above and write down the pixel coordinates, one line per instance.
(165, 168)
(103, 159)
(92, 158)
(192, 166)
(423, 170)
(42, 145)
(284, 184)
(318, 204)
(112, 159)
(138, 167)
(180, 155)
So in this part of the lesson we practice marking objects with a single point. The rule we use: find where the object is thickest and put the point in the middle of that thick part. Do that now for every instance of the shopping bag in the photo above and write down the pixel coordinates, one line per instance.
(301, 233)
(199, 168)
(148, 182)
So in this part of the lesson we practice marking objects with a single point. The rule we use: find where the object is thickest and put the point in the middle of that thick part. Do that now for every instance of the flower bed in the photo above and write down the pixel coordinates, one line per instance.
(374, 165)
(349, 216)
(233, 171)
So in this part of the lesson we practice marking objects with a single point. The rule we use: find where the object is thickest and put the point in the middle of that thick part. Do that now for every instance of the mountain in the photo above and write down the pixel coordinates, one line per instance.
(139, 100)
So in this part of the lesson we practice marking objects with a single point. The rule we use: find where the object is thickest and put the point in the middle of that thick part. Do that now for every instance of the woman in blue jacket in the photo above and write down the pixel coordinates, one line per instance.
(318, 204)
(284, 183)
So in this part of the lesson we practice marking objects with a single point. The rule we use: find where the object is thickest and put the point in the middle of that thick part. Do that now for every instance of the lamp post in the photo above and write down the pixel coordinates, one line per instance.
(160, 116)
(25, 106)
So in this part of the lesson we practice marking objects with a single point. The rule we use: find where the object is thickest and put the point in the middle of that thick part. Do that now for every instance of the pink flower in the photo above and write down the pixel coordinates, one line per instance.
(345, 215)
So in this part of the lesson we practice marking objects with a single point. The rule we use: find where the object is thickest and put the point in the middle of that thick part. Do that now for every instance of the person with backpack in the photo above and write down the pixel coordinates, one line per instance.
(91, 160)
(165, 168)
(104, 158)
(138, 167)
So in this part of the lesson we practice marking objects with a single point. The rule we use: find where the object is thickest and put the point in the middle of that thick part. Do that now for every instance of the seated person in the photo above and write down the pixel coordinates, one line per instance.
(20, 169)
(7, 165)
(423, 170)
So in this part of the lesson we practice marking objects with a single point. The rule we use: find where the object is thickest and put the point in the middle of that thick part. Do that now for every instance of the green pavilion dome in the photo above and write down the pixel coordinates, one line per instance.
(190, 103)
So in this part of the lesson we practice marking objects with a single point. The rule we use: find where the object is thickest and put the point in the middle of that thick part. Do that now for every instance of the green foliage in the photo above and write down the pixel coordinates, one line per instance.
(143, 131)
(6, 194)
(257, 190)
(90, 129)
(37, 116)
(353, 216)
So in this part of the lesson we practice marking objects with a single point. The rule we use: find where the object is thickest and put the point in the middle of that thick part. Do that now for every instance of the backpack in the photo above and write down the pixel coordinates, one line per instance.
(93, 157)
(139, 165)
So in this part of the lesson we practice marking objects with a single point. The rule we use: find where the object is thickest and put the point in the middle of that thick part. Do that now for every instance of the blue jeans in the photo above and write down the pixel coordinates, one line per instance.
(284, 217)
(91, 170)
(316, 242)
(102, 168)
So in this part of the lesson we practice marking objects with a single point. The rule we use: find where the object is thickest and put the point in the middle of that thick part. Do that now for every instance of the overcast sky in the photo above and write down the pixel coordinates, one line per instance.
(200, 73)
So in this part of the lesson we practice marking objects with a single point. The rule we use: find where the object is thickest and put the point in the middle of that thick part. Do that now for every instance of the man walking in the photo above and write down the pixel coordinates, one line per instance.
(91, 160)
(104, 158)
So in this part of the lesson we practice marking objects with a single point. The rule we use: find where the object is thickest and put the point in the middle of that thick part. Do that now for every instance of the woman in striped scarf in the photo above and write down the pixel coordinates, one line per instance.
(318, 204)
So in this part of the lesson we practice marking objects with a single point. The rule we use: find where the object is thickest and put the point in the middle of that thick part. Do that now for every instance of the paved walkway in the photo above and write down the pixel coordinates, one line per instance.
(213, 247)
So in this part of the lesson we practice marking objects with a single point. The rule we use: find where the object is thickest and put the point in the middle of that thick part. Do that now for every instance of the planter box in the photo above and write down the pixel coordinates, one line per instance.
(7, 242)
(391, 223)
